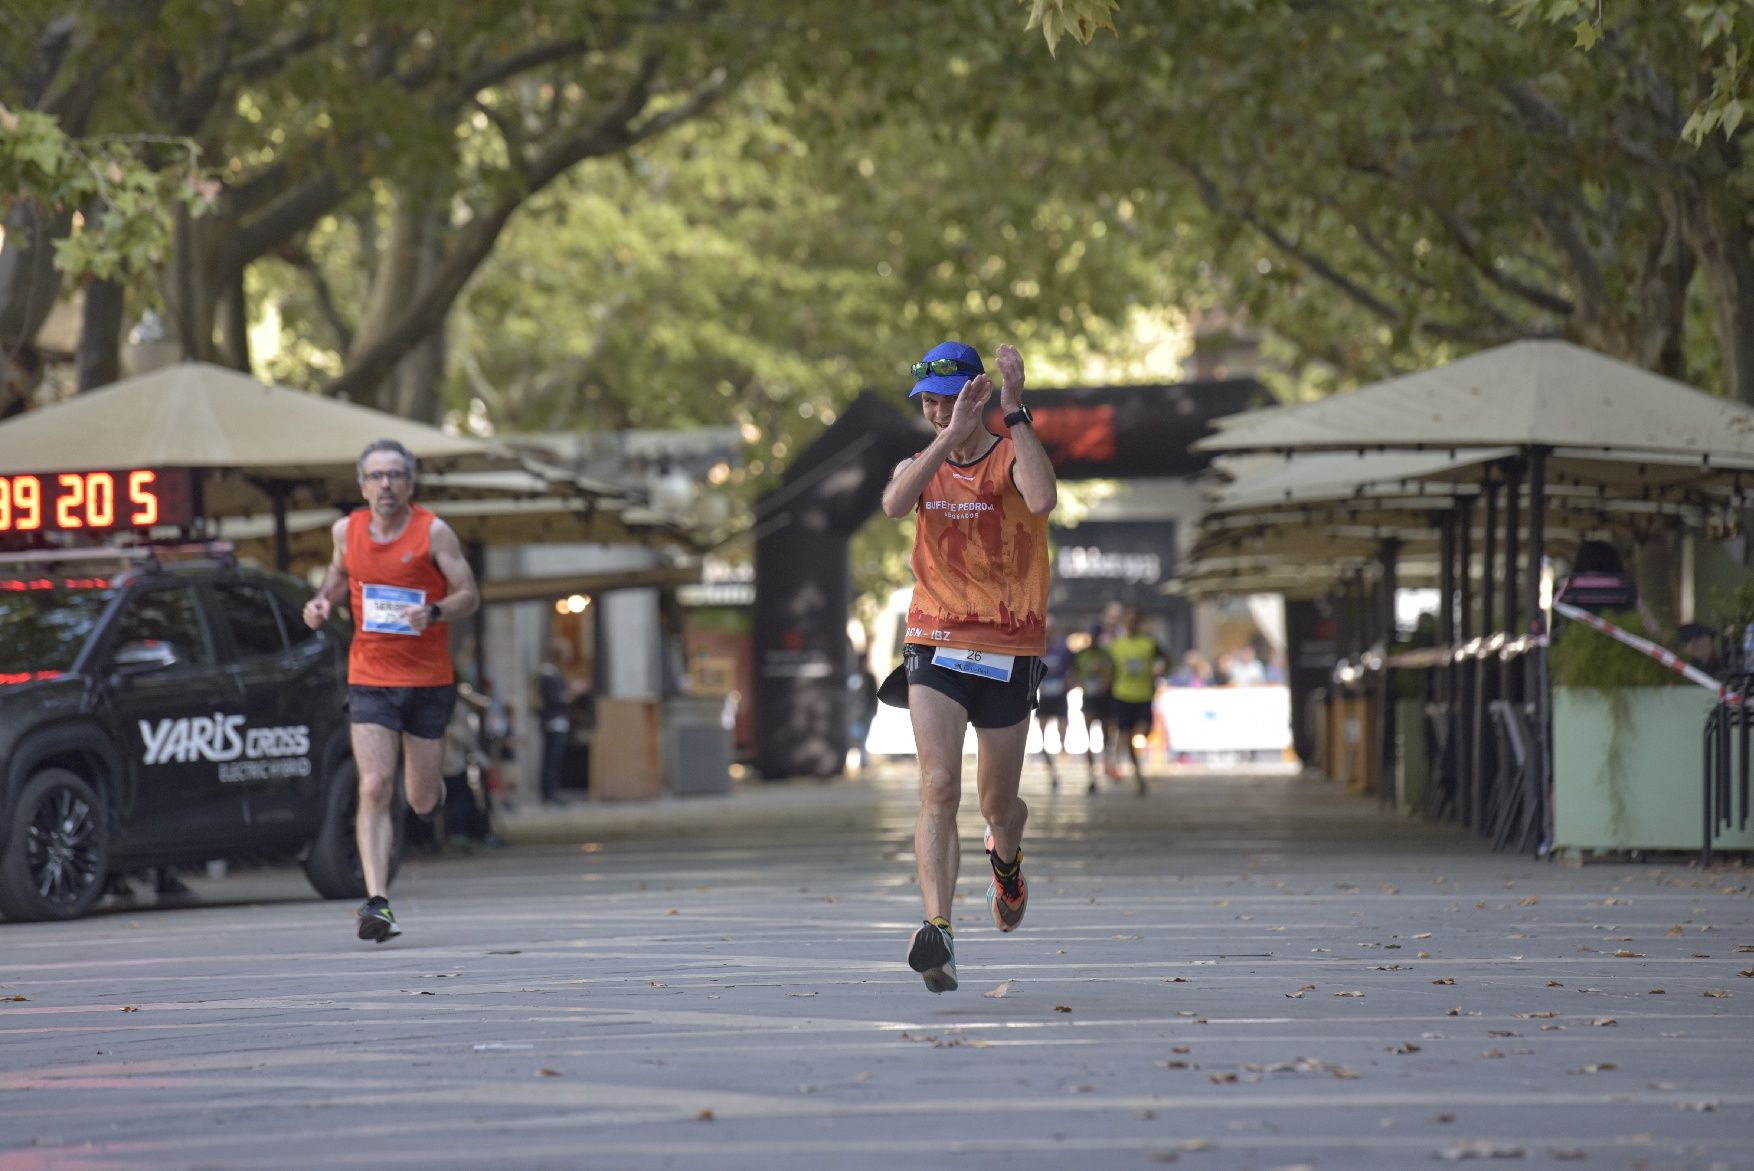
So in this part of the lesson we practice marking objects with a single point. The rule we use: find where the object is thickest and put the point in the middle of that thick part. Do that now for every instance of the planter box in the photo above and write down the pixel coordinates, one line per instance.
(1628, 778)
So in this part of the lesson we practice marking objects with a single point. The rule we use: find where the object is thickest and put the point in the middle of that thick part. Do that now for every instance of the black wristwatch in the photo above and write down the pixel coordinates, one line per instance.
(434, 614)
(1020, 415)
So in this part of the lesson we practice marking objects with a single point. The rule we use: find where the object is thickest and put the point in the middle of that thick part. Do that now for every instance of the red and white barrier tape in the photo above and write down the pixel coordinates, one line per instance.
(1661, 654)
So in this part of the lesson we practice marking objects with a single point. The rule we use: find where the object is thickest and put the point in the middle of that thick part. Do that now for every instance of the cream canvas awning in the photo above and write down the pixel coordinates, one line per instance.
(244, 432)
(1541, 393)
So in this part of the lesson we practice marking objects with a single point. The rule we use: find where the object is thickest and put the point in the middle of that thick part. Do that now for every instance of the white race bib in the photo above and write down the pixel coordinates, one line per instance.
(384, 606)
(986, 664)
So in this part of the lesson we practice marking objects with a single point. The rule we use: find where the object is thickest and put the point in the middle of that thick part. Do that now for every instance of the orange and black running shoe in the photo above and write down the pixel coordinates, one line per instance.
(1007, 898)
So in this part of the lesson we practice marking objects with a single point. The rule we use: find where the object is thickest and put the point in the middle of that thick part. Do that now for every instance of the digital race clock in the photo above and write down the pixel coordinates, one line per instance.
(77, 502)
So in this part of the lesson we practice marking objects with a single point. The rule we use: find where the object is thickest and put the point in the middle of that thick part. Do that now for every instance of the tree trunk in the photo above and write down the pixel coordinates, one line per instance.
(100, 335)
(196, 281)
(29, 287)
(417, 386)
(1718, 231)
(234, 316)
(395, 281)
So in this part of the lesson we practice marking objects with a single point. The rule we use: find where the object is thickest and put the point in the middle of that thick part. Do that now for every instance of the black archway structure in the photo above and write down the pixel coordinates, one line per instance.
(803, 579)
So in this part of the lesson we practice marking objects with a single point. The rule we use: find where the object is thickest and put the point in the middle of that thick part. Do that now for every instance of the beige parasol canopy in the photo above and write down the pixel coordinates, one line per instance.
(1545, 393)
(506, 521)
(254, 439)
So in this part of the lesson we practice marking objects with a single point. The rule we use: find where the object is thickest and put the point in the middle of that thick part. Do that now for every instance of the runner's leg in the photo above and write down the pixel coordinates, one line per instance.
(374, 753)
(422, 773)
(998, 770)
(939, 726)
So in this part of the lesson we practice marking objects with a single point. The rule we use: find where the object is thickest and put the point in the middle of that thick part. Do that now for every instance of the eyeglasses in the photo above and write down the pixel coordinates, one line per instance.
(943, 366)
(391, 477)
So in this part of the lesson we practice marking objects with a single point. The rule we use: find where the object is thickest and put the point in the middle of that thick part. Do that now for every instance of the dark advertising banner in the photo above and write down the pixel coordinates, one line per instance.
(1099, 562)
(1120, 432)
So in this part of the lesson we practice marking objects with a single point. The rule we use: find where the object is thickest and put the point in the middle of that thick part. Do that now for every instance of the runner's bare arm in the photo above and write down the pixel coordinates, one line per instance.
(463, 599)
(318, 609)
(1033, 471)
(912, 475)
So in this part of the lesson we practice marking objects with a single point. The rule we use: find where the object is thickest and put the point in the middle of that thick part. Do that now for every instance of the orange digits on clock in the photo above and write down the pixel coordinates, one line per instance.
(27, 503)
(71, 500)
(142, 493)
(100, 500)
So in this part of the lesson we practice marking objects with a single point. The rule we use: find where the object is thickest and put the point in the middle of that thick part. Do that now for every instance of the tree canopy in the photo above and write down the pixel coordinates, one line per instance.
(542, 213)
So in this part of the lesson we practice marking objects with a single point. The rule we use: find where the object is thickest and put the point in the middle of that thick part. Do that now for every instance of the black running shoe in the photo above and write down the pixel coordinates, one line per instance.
(932, 954)
(376, 921)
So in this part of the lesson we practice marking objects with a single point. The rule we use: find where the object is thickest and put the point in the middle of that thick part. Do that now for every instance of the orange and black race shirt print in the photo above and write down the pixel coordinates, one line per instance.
(980, 561)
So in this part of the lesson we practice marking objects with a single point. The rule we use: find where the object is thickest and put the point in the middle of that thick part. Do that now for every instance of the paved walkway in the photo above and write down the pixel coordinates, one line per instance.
(1234, 972)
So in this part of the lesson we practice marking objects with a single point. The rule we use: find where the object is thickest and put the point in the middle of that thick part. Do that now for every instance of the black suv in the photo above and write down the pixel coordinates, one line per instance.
(162, 715)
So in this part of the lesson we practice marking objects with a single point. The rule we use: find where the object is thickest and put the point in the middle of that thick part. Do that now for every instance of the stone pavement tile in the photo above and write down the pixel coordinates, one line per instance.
(1231, 973)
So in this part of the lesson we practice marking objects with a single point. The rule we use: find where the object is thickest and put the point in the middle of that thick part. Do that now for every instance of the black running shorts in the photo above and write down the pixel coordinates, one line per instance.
(421, 712)
(1129, 716)
(988, 702)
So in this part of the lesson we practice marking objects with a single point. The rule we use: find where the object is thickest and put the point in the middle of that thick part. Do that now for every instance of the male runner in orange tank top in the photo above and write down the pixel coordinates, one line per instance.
(976, 628)
(407, 578)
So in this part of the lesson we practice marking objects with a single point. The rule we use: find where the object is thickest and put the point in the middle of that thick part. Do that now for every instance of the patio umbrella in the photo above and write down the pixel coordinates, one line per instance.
(1550, 401)
(253, 446)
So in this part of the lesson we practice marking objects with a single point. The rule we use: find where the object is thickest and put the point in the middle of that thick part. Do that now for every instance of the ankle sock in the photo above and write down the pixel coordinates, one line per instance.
(942, 924)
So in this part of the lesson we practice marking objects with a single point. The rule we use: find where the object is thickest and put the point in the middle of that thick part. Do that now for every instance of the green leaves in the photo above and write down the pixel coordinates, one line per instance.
(1079, 19)
(122, 205)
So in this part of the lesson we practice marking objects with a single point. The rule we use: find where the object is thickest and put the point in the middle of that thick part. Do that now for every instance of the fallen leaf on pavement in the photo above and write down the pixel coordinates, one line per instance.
(1604, 1022)
(130, 1008)
(1535, 1016)
(1715, 993)
(547, 1072)
(1351, 994)
(999, 993)
(1062, 1008)
(1623, 954)
(1597, 1067)
(1444, 980)
(1479, 1148)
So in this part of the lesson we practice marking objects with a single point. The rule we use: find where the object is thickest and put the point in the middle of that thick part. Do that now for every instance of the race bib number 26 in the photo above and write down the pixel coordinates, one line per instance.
(986, 664)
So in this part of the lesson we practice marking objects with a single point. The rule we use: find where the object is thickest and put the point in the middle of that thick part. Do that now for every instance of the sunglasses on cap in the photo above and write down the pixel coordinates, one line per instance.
(943, 366)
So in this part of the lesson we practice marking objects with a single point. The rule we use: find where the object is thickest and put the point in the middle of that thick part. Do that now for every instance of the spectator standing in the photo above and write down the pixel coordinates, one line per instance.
(1138, 661)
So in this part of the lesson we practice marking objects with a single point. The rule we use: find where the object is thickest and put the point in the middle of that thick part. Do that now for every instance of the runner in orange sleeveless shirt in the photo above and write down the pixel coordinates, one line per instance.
(407, 578)
(976, 628)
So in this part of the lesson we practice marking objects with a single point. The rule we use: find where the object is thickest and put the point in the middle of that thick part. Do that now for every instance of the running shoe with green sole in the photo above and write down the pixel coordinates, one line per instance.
(1006, 905)
(376, 921)
(933, 955)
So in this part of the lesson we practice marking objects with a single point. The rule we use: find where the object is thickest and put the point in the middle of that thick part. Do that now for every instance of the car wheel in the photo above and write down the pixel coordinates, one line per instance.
(332, 863)
(57, 851)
